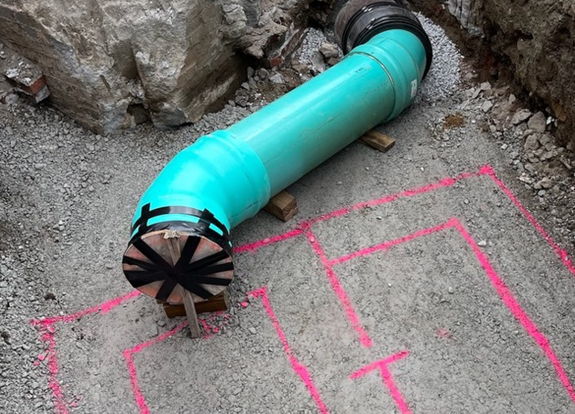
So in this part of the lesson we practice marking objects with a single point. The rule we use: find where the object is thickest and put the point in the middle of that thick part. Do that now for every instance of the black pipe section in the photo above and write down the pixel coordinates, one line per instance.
(360, 20)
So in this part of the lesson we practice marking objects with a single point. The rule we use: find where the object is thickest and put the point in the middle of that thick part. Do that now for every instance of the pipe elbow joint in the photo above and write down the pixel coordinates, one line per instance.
(180, 242)
(180, 231)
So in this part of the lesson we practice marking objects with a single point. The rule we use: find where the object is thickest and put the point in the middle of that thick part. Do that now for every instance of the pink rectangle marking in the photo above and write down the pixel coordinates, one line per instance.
(47, 325)
(497, 283)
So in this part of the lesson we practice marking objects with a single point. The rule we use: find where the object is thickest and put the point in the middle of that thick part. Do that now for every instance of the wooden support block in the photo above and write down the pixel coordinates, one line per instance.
(283, 206)
(219, 302)
(173, 311)
(378, 140)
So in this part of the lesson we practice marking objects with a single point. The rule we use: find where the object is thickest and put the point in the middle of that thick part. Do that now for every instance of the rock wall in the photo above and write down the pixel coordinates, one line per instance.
(110, 64)
(538, 39)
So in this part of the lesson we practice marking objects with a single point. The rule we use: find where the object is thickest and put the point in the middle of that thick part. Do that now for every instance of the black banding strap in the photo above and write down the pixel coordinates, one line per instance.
(211, 280)
(169, 284)
(166, 289)
(201, 229)
(138, 278)
(198, 290)
(151, 254)
(188, 252)
(204, 216)
(206, 261)
(139, 263)
(224, 267)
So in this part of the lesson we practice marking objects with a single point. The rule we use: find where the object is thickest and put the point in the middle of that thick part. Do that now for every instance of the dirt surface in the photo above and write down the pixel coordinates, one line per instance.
(511, 41)
(441, 295)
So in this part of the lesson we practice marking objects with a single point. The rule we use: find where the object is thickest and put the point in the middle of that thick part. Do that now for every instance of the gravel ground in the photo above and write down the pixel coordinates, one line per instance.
(309, 49)
(67, 196)
(444, 75)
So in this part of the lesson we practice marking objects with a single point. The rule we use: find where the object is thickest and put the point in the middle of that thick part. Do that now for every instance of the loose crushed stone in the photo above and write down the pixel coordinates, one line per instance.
(444, 75)
(67, 196)
(309, 49)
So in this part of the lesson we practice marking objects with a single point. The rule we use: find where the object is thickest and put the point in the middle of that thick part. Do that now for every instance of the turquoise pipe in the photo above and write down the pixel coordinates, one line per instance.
(227, 176)
(234, 172)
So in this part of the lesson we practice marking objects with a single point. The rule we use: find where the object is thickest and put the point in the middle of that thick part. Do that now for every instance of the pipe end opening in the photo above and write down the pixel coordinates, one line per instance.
(360, 20)
(166, 263)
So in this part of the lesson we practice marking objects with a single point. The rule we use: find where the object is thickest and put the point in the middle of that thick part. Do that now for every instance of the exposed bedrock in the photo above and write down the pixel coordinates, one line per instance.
(538, 39)
(110, 64)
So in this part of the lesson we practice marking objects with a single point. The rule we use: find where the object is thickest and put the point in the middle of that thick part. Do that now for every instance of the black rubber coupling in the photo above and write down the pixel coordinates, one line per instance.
(360, 20)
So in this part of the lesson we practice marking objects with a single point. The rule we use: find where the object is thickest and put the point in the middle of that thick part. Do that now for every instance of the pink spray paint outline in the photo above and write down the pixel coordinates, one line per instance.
(300, 369)
(47, 325)
(337, 287)
(559, 252)
(250, 247)
(128, 354)
(497, 283)
(387, 378)
(48, 335)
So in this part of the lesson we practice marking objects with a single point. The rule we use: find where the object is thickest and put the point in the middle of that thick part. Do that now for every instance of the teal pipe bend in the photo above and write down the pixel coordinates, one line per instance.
(226, 177)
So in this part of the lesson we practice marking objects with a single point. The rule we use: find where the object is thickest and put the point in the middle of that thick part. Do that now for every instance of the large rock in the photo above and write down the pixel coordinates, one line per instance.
(538, 39)
(112, 63)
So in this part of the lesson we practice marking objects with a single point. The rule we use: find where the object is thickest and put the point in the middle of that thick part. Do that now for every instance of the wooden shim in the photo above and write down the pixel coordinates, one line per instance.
(189, 308)
(219, 302)
(378, 140)
(195, 331)
(283, 206)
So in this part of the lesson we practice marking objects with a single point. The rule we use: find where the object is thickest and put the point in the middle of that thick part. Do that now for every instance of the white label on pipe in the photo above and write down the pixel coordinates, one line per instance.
(413, 88)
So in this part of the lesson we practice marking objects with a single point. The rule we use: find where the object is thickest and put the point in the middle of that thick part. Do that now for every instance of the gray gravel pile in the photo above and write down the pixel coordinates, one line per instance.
(444, 74)
(311, 55)
(309, 49)
(441, 81)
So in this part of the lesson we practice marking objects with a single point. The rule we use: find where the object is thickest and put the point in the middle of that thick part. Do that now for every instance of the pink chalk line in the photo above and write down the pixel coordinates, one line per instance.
(501, 288)
(128, 353)
(339, 291)
(516, 309)
(299, 368)
(306, 224)
(129, 358)
(561, 253)
(387, 378)
(47, 329)
(48, 332)
(104, 307)
(47, 335)
(389, 244)
(485, 170)
(250, 247)
(445, 182)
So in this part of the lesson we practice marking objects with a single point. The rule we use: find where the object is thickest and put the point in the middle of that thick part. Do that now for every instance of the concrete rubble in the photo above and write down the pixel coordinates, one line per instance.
(20, 75)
